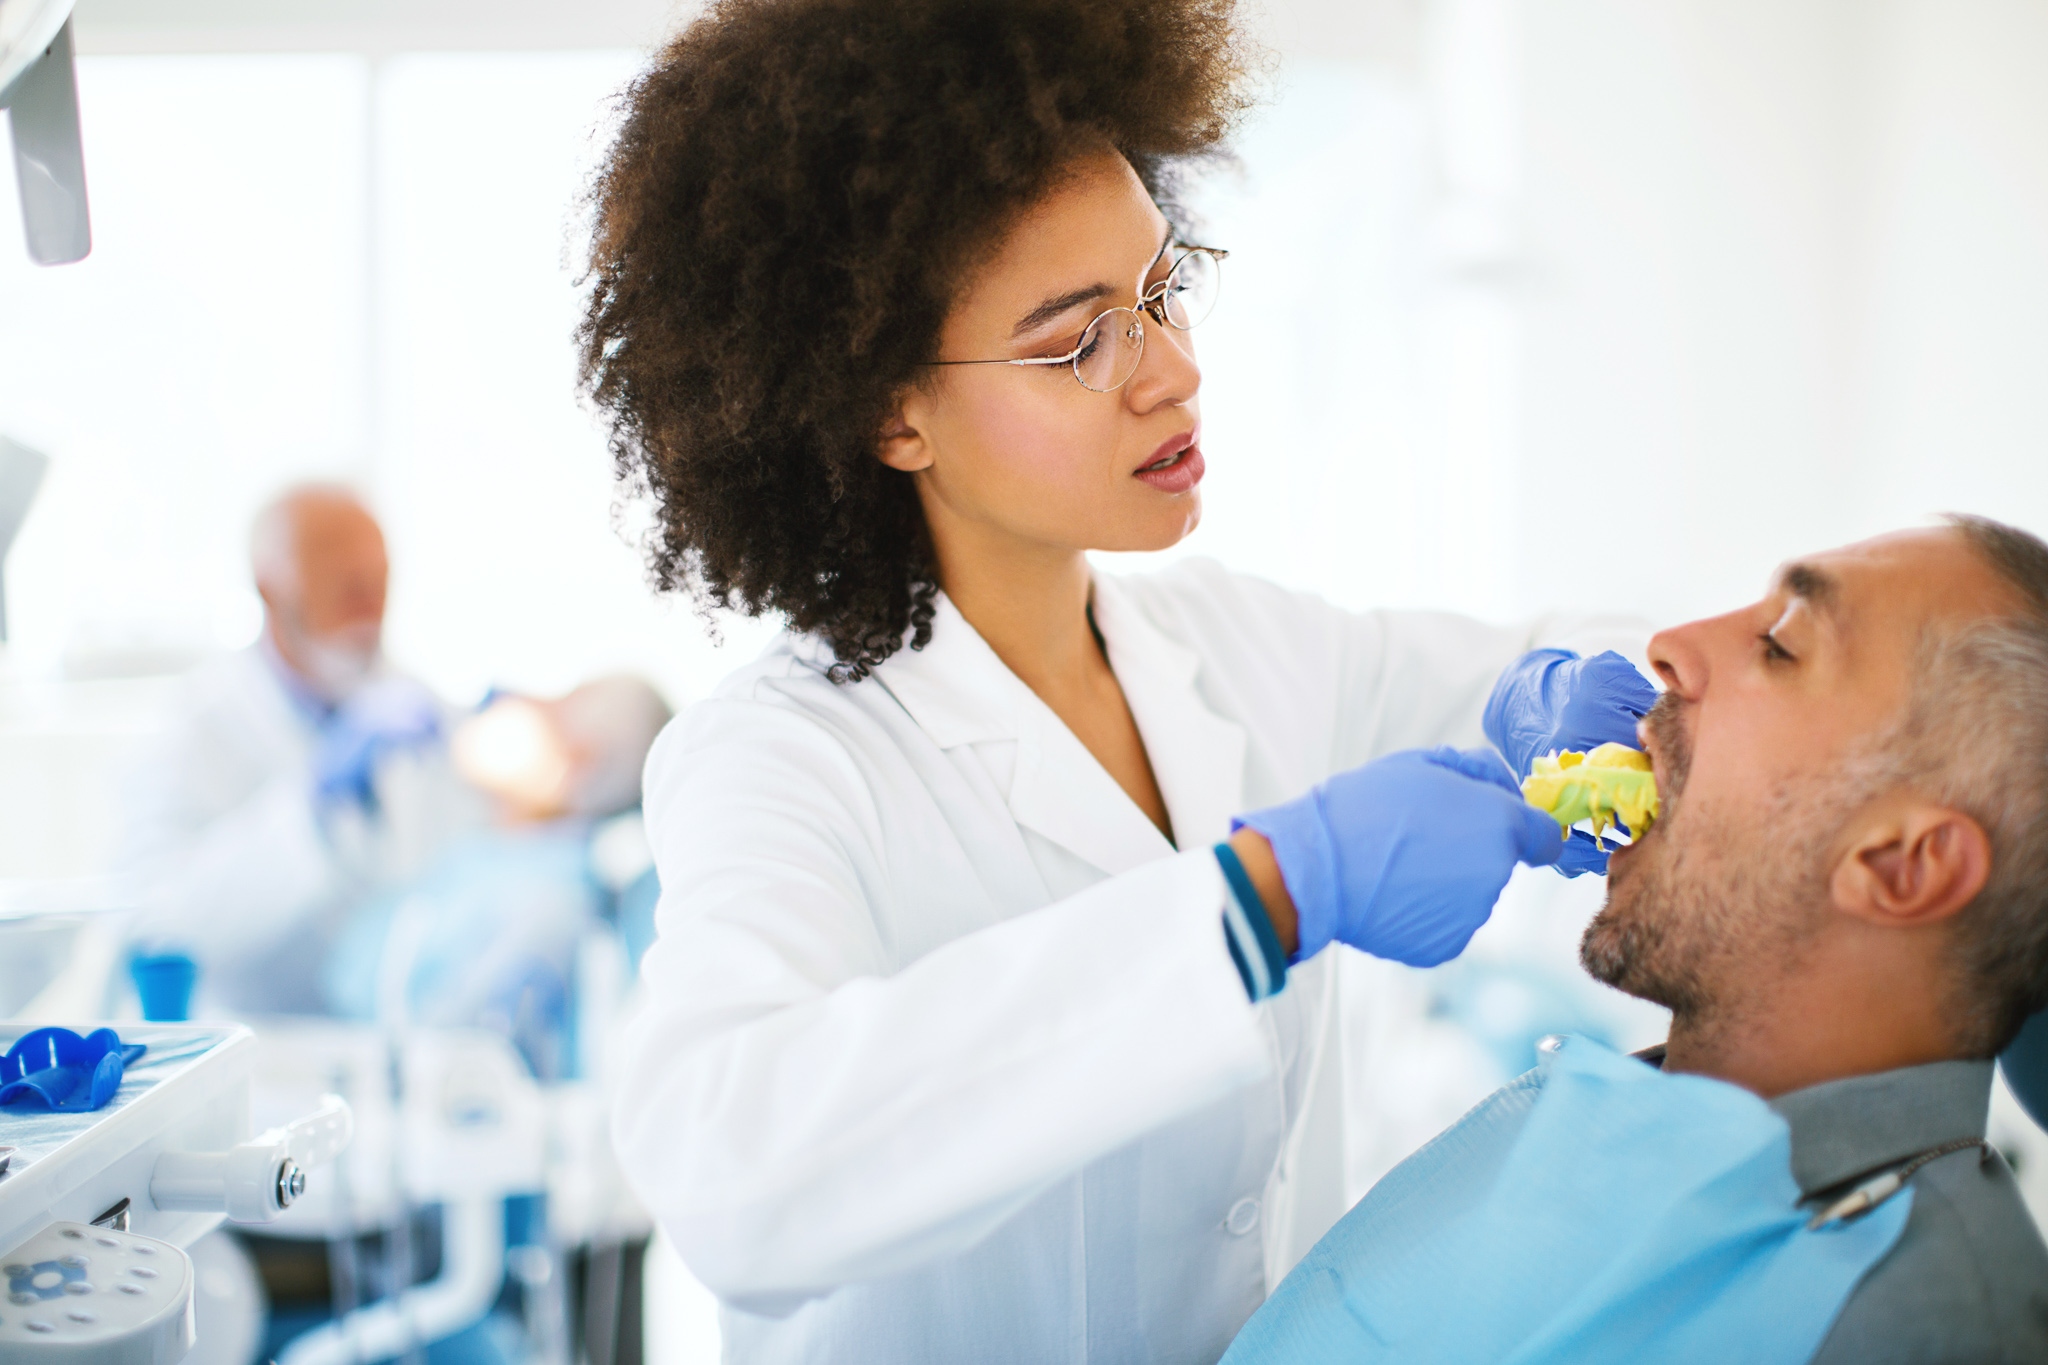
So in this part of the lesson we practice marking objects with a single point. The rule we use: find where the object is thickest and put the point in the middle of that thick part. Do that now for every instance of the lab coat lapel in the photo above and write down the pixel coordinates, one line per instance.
(955, 688)
(1197, 755)
(959, 692)
(1065, 795)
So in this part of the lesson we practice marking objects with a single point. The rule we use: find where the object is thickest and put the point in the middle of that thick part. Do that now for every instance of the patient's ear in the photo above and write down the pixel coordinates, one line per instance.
(1912, 864)
(903, 445)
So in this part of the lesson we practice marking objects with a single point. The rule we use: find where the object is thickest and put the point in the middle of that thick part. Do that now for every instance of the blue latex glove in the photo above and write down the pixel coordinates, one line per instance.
(1404, 857)
(383, 718)
(1551, 699)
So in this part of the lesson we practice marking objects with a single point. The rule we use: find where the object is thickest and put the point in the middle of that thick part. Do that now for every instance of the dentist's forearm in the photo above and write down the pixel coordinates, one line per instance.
(1257, 856)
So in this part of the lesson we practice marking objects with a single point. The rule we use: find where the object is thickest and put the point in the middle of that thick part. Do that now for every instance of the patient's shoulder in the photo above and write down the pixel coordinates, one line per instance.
(1968, 1280)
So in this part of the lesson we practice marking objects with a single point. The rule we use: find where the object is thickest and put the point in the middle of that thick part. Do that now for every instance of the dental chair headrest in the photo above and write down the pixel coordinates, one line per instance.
(2025, 1064)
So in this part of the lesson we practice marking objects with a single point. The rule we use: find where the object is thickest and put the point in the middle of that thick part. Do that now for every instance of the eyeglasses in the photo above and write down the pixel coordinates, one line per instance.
(1112, 345)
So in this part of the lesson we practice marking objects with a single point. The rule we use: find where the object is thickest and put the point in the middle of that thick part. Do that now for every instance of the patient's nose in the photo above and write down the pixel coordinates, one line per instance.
(1680, 656)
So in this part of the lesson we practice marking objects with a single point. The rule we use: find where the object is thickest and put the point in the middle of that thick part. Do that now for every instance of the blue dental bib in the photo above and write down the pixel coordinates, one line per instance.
(1595, 1210)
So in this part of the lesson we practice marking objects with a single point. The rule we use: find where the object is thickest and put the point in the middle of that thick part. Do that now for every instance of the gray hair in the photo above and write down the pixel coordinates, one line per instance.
(612, 722)
(1977, 734)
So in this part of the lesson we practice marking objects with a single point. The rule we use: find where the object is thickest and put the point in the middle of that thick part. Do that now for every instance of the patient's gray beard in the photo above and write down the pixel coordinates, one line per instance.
(1668, 933)
(1720, 900)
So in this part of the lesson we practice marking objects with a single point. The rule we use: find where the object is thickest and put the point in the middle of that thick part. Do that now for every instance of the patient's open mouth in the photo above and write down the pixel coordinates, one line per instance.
(1607, 787)
(1620, 843)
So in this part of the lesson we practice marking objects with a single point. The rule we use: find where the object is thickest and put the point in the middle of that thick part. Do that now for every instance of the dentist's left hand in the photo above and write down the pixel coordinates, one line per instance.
(1402, 858)
(1551, 699)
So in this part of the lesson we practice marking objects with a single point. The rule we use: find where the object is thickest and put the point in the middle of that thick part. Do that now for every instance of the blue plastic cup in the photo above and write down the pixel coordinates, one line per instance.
(164, 981)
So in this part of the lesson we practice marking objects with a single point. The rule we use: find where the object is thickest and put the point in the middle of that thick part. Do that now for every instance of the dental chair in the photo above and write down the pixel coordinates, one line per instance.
(458, 1146)
(492, 1142)
(479, 1217)
(2025, 1066)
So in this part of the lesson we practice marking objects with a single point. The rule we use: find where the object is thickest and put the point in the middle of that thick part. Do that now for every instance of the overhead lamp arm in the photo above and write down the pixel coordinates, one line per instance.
(40, 92)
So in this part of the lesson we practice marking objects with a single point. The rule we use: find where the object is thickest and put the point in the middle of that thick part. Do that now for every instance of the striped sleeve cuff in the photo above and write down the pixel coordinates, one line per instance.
(1248, 931)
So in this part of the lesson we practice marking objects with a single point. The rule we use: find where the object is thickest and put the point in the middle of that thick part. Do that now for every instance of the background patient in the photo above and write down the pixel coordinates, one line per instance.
(1845, 906)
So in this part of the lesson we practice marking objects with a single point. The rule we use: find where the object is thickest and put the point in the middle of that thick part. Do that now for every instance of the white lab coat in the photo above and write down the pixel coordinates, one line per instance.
(942, 1056)
(234, 863)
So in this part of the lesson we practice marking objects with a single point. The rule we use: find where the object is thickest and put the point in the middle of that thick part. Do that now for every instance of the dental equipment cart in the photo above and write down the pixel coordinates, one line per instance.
(96, 1208)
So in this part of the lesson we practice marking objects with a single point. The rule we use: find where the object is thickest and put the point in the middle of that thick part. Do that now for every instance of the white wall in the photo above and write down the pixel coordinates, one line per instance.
(1786, 282)
(309, 265)
(329, 266)
(1684, 293)
(1952, 252)
(1362, 374)
(209, 347)
(1695, 285)
(495, 484)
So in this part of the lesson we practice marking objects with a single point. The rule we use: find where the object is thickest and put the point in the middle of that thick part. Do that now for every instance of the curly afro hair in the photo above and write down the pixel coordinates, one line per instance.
(779, 230)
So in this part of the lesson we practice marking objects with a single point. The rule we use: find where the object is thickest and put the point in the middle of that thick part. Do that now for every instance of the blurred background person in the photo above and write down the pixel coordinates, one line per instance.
(573, 757)
(489, 935)
(296, 776)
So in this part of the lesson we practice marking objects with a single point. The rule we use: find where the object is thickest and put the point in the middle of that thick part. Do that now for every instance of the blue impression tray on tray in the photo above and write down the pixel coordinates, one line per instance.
(54, 1068)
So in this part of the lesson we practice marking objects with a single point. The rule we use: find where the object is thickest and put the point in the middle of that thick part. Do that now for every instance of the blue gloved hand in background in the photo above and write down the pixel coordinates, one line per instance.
(1404, 857)
(382, 718)
(1551, 699)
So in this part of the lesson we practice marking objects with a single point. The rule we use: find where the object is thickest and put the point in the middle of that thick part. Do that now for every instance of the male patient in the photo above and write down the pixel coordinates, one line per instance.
(1845, 906)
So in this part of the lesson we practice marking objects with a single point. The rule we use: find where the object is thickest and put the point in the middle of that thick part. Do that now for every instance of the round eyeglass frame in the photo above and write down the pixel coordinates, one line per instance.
(1154, 301)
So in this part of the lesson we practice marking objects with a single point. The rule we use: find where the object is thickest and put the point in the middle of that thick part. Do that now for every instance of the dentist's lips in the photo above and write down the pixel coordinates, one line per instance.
(1176, 466)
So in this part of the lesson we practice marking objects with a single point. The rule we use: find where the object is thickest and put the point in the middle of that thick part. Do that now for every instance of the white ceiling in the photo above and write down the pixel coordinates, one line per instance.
(1382, 32)
(371, 26)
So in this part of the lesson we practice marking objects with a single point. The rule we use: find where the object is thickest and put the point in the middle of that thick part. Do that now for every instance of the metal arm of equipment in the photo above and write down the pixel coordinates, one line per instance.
(97, 1206)
(258, 1180)
(39, 88)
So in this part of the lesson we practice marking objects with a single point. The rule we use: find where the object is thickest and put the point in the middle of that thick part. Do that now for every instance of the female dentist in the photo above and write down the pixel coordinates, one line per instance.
(977, 1029)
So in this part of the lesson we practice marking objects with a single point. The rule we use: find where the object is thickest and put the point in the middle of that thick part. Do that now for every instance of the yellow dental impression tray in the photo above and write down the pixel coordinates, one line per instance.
(1611, 783)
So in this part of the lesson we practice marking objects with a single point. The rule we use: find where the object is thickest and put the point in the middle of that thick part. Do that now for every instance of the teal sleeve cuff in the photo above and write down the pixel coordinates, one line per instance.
(1248, 930)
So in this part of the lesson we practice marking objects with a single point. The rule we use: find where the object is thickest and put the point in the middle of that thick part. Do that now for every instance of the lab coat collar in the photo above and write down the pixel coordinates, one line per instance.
(959, 692)
(1197, 755)
(955, 688)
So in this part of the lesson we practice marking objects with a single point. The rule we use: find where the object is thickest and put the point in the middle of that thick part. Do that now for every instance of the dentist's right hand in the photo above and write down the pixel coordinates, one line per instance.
(1402, 858)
